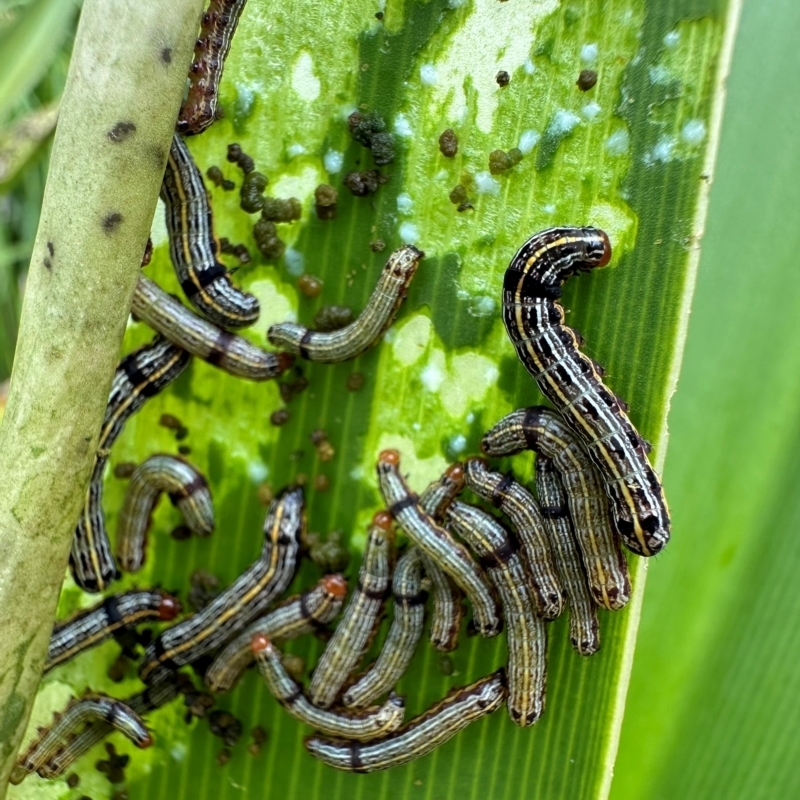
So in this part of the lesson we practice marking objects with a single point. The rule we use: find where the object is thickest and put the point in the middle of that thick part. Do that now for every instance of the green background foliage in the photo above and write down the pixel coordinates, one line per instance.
(713, 666)
(713, 704)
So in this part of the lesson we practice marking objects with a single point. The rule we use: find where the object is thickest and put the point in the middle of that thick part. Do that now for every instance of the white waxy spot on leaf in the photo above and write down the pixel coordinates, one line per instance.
(304, 82)
(178, 751)
(618, 142)
(590, 111)
(486, 184)
(409, 233)
(402, 127)
(528, 140)
(662, 152)
(432, 376)
(428, 74)
(482, 306)
(659, 74)
(589, 53)
(693, 132)
(333, 161)
(404, 203)
(457, 444)
(563, 122)
(295, 262)
(257, 472)
(245, 97)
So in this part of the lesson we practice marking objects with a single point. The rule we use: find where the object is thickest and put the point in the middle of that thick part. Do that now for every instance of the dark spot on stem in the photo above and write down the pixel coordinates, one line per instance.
(166, 55)
(121, 131)
(111, 221)
(50, 248)
(158, 156)
(48, 263)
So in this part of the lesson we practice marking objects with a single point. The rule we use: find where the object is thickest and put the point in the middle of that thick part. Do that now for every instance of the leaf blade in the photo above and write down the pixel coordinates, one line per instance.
(444, 388)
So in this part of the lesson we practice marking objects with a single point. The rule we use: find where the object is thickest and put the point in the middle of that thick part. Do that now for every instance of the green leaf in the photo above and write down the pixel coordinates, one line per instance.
(627, 155)
(20, 140)
(28, 45)
(713, 706)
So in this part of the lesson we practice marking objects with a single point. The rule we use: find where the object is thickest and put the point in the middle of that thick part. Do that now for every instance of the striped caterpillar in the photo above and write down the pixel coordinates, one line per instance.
(75, 743)
(573, 383)
(186, 487)
(420, 735)
(525, 632)
(228, 351)
(448, 608)
(91, 626)
(361, 616)
(517, 503)
(438, 544)
(300, 614)
(584, 628)
(361, 334)
(140, 376)
(542, 430)
(361, 725)
(68, 724)
(404, 635)
(216, 34)
(195, 248)
(248, 596)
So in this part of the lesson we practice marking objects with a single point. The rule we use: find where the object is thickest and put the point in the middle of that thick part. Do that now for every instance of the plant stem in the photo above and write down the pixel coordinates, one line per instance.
(120, 104)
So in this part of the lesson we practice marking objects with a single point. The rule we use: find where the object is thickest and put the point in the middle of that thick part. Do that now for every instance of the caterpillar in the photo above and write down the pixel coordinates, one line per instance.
(228, 351)
(77, 744)
(584, 629)
(354, 632)
(67, 724)
(188, 490)
(438, 544)
(519, 505)
(195, 248)
(216, 34)
(368, 724)
(420, 735)
(247, 597)
(300, 614)
(448, 608)
(403, 637)
(544, 431)
(525, 633)
(91, 626)
(361, 334)
(573, 383)
(139, 376)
